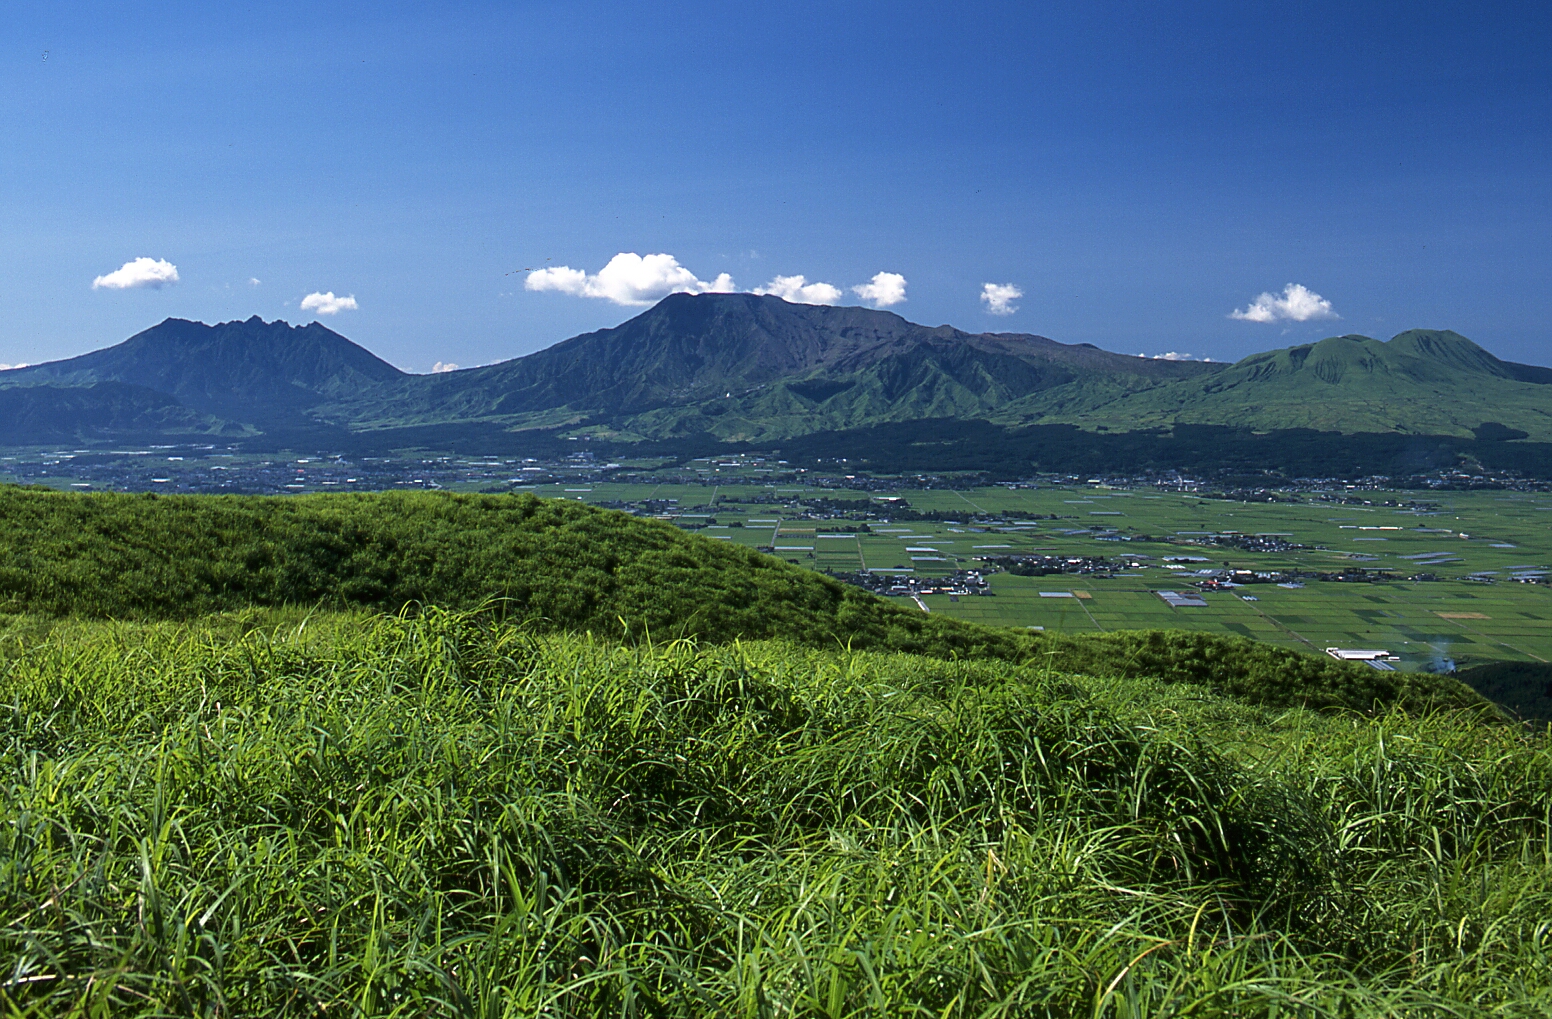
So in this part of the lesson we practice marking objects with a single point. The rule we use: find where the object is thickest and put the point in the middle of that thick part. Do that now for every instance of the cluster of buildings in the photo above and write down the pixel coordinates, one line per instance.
(1245, 542)
(1079, 565)
(898, 585)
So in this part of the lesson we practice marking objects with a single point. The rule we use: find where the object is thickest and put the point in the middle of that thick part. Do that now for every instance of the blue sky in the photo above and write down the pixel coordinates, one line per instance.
(1138, 172)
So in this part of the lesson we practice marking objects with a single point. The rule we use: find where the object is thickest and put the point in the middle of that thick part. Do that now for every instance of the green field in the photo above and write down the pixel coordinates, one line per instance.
(1471, 621)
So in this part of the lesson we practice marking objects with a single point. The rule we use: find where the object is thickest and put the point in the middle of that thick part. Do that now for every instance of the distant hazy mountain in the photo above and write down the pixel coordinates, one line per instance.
(254, 372)
(742, 367)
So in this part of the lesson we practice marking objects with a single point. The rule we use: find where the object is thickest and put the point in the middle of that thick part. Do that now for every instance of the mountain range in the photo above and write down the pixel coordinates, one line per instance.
(740, 368)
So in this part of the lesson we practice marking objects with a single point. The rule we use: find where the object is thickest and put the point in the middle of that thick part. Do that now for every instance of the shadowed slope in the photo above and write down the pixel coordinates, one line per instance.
(104, 410)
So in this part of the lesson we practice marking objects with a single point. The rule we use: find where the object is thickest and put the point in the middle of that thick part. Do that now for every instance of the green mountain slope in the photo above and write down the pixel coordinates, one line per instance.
(745, 368)
(103, 410)
(741, 366)
(950, 375)
(1421, 381)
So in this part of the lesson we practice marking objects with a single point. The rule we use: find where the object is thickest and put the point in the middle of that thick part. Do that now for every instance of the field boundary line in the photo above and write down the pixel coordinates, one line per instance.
(973, 505)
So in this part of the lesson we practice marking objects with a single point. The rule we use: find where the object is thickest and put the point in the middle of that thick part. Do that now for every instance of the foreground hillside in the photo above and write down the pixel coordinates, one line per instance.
(558, 566)
(327, 814)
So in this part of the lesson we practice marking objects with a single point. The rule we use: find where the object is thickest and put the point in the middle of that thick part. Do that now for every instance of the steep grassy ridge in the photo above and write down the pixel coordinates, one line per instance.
(441, 816)
(562, 566)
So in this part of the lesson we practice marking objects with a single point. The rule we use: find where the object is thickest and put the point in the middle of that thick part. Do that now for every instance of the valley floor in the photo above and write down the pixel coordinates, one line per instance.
(1474, 544)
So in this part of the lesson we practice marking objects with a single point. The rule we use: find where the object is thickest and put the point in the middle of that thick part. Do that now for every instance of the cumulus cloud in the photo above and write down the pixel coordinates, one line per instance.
(798, 290)
(1297, 304)
(443, 366)
(254, 281)
(153, 273)
(887, 288)
(328, 304)
(628, 279)
(1172, 355)
(8, 367)
(999, 297)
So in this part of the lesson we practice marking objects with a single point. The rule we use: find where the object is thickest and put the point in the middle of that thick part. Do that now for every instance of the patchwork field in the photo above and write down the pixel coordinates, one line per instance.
(1474, 543)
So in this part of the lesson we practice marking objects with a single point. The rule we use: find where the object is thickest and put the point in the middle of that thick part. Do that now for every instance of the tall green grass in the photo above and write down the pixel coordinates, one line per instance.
(444, 815)
(560, 566)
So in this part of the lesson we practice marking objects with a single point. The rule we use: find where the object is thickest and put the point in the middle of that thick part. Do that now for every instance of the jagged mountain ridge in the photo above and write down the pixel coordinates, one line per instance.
(694, 348)
(748, 368)
(252, 372)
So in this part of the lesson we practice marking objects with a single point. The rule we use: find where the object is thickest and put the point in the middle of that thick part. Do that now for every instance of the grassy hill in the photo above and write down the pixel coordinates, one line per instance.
(280, 814)
(1424, 382)
(586, 765)
(558, 566)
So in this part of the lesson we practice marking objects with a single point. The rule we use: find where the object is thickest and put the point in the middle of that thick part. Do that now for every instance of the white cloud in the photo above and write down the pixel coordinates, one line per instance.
(886, 289)
(443, 366)
(1172, 355)
(9, 367)
(254, 281)
(154, 273)
(1297, 304)
(798, 290)
(999, 297)
(328, 304)
(628, 279)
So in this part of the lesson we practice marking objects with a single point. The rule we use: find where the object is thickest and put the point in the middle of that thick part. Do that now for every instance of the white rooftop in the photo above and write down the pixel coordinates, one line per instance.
(1357, 654)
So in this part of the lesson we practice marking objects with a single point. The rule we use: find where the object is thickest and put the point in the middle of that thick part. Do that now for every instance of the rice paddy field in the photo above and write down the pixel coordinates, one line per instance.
(1474, 543)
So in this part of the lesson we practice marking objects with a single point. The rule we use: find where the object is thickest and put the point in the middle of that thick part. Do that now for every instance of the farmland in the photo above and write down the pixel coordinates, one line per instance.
(1473, 542)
